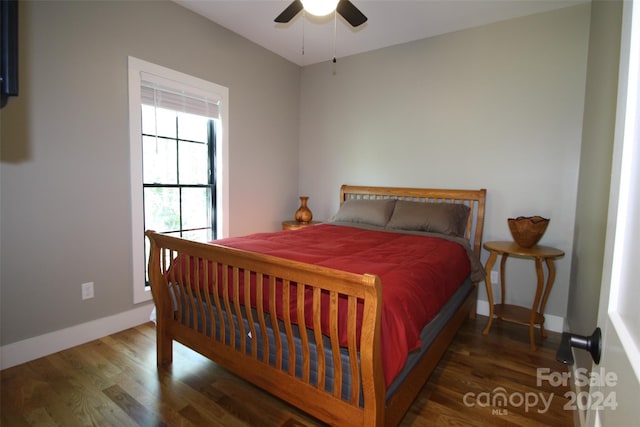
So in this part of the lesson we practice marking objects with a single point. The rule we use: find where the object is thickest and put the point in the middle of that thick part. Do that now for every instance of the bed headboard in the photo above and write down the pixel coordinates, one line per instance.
(474, 199)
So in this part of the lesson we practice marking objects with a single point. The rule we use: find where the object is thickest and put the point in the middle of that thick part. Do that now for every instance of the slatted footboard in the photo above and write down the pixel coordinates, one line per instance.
(207, 298)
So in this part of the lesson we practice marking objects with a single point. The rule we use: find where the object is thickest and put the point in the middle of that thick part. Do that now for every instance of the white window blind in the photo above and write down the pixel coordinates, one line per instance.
(179, 97)
(213, 102)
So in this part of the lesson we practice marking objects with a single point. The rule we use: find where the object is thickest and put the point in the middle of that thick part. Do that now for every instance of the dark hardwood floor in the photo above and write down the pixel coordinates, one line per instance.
(482, 381)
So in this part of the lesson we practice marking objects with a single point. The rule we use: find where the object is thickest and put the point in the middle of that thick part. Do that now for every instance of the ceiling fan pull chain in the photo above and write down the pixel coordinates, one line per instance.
(304, 18)
(335, 26)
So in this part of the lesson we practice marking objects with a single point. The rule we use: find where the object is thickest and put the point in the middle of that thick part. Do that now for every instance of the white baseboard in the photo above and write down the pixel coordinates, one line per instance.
(551, 322)
(52, 342)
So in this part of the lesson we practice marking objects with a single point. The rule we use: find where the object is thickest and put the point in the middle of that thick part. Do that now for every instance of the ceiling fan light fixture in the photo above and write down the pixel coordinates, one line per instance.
(320, 7)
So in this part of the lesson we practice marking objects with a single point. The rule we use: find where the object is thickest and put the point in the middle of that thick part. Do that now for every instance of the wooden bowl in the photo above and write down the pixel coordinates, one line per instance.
(527, 230)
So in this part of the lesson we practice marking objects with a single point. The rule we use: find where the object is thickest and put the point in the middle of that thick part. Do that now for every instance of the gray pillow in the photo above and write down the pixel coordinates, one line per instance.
(365, 211)
(445, 218)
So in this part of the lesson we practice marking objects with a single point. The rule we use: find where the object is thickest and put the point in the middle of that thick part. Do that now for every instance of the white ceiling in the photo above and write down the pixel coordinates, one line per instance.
(390, 22)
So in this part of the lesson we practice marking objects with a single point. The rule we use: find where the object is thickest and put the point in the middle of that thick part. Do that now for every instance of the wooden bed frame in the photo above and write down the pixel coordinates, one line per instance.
(242, 359)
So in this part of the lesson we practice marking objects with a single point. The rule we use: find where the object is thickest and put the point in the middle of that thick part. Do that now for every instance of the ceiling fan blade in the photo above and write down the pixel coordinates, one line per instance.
(351, 13)
(292, 10)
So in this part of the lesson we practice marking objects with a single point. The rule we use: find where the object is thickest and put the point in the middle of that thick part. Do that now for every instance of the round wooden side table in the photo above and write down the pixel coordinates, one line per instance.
(514, 313)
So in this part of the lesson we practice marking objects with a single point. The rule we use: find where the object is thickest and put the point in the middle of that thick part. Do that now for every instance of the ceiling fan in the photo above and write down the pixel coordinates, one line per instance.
(323, 7)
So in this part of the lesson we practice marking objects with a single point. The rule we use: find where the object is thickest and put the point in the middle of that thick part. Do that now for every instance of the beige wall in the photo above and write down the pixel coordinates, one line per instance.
(65, 208)
(595, 170)
(498, 107)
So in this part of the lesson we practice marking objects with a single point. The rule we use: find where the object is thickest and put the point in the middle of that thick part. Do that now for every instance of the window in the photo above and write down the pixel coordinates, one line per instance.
(178, 160)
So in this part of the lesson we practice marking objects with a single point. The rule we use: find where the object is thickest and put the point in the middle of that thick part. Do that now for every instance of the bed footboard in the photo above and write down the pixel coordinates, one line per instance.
(224, 302)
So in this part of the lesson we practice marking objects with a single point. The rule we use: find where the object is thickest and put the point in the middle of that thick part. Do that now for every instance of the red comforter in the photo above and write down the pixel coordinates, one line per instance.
(418, 274)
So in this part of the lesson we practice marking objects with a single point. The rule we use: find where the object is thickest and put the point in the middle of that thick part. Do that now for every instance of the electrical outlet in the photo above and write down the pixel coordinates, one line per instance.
(494, 276)
(87, 290)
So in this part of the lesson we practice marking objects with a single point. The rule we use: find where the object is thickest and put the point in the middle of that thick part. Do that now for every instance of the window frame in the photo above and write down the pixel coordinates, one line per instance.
(142, 292)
